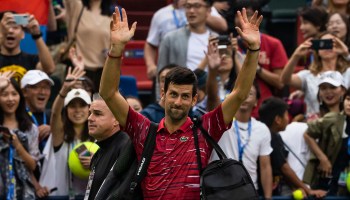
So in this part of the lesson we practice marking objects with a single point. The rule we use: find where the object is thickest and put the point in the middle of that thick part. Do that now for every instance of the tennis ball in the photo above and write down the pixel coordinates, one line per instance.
(298, 194)
(348, 182)
(74, 163)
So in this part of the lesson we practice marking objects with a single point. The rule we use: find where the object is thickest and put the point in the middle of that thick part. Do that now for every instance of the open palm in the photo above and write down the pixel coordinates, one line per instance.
(120, 32)
(249, 30)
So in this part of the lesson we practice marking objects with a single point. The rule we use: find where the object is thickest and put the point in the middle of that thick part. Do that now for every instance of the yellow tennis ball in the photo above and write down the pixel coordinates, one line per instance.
(348, 182)
(73, 160)
(298, 194)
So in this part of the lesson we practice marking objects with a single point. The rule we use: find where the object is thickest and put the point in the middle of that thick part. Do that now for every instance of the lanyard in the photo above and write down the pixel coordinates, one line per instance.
(11, 178)
(177, 21)
(241, 146)
(34, 118)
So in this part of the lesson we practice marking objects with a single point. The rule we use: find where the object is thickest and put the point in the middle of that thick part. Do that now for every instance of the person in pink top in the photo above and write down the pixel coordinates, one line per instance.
(173, 170)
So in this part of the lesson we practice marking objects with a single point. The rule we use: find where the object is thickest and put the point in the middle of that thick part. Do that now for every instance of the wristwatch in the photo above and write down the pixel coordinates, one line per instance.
(37, 36)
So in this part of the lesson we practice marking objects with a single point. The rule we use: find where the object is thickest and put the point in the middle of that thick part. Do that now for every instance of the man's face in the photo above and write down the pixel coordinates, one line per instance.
(250, 102)
(178, 101)
(37, 95)
(197, 12)
(283, 121)
(101, 121)
(12, 37)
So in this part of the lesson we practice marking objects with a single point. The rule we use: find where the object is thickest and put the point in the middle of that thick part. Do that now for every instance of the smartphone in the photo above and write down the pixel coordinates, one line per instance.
(82, 151)
(224, 40)
(4, 130)
(322, 44)
(21, 19)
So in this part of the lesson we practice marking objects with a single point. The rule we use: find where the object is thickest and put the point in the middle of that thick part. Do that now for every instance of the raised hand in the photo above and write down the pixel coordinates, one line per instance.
(72, 77)
(119, 28)
(249, 30)
(213, 55)
(76, 58)
(5, 78)
(33, 25)
(304, 48)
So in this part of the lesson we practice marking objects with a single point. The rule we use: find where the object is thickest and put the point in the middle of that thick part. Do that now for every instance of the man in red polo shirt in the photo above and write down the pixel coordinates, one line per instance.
(173, 172)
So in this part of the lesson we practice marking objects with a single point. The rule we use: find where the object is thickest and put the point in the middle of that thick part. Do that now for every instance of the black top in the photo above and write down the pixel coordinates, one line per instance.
(279, 154)
(105, 157)
(19, 63)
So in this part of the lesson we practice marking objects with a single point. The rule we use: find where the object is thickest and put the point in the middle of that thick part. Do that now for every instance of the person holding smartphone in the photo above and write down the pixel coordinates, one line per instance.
(19, 142)
(69, 126)
(11, 56)
(323, 60)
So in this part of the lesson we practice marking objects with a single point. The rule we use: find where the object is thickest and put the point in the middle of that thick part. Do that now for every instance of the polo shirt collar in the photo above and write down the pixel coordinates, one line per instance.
(188, 124)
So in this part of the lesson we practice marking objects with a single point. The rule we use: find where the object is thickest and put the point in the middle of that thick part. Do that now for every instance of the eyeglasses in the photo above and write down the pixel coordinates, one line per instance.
(196, 6)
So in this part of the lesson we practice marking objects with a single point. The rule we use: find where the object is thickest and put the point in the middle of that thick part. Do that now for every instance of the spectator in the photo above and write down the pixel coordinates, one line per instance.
(20, 152)
(339, 25)
(339, 7)
(324, 60)
(36, 88)
(313, 21)
(167, 19)
(272, 59)
(179, 95)
(134, 102)
(273, 112)
(93, 50)
(68, 127)
(328, 139)
(11, 56)
(112, 142)
(249, 140)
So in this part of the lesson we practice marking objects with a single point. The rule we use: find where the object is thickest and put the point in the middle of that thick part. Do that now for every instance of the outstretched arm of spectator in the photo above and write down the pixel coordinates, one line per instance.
(291, 177)
(250, 33)
(120, 34)
(287, 76)
(51, 24)
(46, 62)
(271, 78)
(150, 55)
(325, 166)
(214, 61)
(217, 23)
(56, 111)
(266, 175)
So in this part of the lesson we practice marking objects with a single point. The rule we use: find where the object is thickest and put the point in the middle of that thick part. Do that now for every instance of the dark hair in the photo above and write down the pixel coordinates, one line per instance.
(181, 76)
(270, 108)
(345, 19)
(201, 78)
(347, 93)
(22, 117)
(88, 85)
(170, 66)
(68, 128)
(316, 16)
(105, 6)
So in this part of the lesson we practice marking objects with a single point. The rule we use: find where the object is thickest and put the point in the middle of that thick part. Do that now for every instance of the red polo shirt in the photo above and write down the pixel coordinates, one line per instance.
(173, 171)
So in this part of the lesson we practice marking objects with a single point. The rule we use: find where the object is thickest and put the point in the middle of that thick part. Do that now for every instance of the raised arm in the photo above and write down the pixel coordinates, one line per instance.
(46, 61)
(120, 34)
(287, 77)
(249, 33)
(56, 116)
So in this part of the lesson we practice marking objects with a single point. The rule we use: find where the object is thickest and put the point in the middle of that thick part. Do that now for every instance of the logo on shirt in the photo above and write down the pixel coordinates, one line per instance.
(183, 139)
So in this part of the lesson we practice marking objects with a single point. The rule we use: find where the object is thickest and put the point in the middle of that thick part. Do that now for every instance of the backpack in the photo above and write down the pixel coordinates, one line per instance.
(225, 178)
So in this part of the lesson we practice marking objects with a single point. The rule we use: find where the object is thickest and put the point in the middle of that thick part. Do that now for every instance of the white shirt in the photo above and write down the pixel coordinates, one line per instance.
(258, 144)
(197, 45)
(293, 137)
(163, 21)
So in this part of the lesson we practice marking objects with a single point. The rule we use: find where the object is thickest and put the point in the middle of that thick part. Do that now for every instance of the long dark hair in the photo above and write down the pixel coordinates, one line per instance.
(105, 6)
(22, 117)
(68, 128)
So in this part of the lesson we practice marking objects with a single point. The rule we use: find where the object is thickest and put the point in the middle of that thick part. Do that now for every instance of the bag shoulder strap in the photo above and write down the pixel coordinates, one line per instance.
(294, 154)
(146, 156)
(78, 21)
(198, 123)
